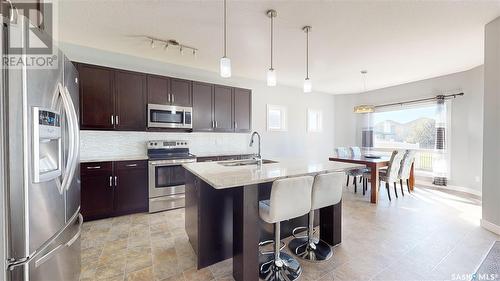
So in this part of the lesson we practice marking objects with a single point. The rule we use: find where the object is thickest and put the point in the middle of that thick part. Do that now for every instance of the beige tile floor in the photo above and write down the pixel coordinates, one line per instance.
(429, 235)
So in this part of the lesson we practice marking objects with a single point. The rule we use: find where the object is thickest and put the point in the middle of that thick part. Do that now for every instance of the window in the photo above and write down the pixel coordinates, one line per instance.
(314, 120)
(276, 118)
(408, 128)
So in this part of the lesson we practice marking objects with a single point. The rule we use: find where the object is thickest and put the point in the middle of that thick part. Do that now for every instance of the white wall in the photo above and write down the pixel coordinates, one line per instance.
(491, 136)
(466, 148)
(295, 142)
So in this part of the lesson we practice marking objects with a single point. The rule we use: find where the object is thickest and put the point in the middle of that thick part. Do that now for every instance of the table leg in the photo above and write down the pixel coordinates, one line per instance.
(374, 183)
(412, 177)
(330, 224)
(246, 233)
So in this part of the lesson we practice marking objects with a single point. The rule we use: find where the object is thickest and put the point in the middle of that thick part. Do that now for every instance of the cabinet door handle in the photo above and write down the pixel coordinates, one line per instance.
(215, 124)
(235, 124)
(112, 119)
(116, 181)
(131, 165)
(173, 98)
(110, 181)
(168, 97)
(116, 120)
(93, 167)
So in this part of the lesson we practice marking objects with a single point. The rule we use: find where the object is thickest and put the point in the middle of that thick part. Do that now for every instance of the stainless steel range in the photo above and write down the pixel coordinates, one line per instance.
(166, 174)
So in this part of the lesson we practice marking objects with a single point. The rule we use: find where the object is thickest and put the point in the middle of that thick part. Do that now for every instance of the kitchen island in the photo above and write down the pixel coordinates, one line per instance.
(222, 210)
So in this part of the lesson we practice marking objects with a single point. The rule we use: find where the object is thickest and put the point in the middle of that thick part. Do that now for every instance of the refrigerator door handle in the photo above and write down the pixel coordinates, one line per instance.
(77, 235)
(74, 136)
(48, 255)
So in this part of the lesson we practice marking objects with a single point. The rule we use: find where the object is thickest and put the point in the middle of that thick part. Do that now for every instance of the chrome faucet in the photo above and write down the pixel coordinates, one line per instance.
(259, 156)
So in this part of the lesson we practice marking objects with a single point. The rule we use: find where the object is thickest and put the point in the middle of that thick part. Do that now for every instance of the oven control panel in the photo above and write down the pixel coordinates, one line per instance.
(162, 144)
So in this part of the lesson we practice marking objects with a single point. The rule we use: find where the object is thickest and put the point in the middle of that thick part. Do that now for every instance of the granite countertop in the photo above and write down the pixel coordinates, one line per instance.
(221, 177)
(113, 158)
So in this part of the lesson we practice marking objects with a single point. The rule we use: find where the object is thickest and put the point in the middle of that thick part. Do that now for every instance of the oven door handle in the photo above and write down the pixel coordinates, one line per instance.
(179, 163)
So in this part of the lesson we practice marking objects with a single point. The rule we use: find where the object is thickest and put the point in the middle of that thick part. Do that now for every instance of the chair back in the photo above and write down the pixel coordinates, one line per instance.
(406, 162)
(342, 152)
(355, 151)
(290, 198)
(394, 165)
(327, 189)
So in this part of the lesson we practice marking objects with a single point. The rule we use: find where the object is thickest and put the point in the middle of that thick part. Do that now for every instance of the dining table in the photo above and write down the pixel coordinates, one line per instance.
(375, 164)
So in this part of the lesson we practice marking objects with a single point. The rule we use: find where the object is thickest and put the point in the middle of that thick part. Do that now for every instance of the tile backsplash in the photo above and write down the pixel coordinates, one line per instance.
(112, 144)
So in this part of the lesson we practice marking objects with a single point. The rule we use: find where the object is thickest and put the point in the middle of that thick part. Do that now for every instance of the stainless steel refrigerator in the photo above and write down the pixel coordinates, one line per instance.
(40, 178)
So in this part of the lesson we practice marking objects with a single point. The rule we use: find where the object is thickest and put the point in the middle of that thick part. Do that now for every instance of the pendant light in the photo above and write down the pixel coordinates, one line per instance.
(271, 73)
(225, 62)
(307, 81)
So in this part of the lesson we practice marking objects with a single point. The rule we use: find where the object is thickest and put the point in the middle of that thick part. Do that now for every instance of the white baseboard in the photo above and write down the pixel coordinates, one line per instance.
(490, 226)
(451, 187)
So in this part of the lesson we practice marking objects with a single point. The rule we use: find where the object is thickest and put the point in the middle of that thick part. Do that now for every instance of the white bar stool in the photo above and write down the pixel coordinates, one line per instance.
(326, 191)
(286, 202)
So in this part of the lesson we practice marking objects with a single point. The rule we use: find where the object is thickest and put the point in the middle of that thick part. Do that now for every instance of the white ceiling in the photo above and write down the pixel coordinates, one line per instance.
(396, 41)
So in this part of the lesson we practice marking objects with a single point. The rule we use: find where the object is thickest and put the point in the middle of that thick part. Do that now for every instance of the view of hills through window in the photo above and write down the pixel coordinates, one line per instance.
(406, 128)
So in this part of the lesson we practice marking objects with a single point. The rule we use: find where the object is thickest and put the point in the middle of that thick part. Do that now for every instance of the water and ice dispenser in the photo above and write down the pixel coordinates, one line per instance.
(47, 145)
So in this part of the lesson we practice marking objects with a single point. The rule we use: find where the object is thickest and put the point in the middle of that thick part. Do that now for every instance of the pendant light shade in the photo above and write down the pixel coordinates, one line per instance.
(271, 72)
(307, 81)
(307, 85)
(225, 62)
(271, 77)
(225, 67)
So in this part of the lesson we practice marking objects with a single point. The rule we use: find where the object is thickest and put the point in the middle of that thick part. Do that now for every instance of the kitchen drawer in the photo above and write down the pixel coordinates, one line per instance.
(167, 202)
(96, 167)
(126, 165)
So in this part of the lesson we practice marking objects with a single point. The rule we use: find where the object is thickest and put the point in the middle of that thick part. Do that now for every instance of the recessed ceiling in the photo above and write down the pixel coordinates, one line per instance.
(396, 41)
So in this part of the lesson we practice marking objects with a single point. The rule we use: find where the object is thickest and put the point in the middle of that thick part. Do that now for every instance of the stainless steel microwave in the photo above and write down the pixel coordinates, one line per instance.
(169, 116)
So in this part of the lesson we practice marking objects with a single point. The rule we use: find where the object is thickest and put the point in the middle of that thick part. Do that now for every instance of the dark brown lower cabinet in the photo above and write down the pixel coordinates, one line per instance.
(113, 188)
(97, 190)
(131, 191)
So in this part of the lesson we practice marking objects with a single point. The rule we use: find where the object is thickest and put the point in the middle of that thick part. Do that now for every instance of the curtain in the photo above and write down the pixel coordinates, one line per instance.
(367, 132)
(439, 163)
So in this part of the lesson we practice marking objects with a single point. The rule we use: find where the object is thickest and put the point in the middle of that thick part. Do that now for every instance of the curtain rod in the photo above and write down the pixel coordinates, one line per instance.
(371, 108)
(451, 96)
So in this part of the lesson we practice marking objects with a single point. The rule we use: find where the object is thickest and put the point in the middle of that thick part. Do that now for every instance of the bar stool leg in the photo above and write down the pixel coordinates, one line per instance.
(308, 248)
(279, 266)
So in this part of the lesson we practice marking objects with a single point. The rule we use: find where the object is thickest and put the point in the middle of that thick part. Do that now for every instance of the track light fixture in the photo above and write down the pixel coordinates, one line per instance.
(167, 43)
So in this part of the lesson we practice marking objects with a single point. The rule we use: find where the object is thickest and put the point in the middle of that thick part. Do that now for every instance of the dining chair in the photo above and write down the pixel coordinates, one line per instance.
(391, 174)
(344, 152)
(405, 170)
(356, 152)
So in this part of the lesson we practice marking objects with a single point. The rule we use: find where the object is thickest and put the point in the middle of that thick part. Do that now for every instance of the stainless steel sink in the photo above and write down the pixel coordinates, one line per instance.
(244, 162)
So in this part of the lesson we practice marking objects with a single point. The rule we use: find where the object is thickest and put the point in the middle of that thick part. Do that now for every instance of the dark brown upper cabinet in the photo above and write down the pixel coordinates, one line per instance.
(169, 91)
(96, 97)
(180, 92)
(223, 109)
(130, 101)
(158, 89)
(242, 110)
(112, 99)
(202, 106)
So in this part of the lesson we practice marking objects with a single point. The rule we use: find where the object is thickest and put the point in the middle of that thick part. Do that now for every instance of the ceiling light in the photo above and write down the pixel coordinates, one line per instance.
(271, 73)
(225, 62)
(307, 81)
(364, 108)
(182, 51)
(152, 44)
